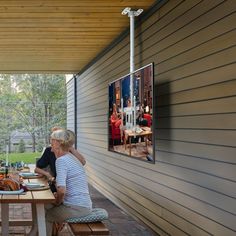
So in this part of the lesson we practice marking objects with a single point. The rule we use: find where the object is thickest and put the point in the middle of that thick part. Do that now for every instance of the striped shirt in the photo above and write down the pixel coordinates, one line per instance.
(72, 176)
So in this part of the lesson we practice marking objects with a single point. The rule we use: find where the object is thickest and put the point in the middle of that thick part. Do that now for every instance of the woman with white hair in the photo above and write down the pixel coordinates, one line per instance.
(72, 196)
(46, 164)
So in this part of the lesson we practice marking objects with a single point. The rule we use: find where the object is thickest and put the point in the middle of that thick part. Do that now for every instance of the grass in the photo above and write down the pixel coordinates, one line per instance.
(27, 157)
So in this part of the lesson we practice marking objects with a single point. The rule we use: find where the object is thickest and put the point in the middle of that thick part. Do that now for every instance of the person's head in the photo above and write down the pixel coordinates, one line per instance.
(61, 140)
(114, 107)
(55, 128)
(129, 103)
(72, 134)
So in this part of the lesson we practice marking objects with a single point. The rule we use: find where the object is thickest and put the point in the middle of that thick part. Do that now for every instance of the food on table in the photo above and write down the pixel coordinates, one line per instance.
(8, 184)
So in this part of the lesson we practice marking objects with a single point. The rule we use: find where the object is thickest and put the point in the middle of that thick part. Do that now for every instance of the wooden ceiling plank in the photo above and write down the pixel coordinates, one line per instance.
(64, 9)
(37, 41)
(61, 20)
(63, 24)
(64, 15)
(74, 3)
(61, 30)
(58, 36)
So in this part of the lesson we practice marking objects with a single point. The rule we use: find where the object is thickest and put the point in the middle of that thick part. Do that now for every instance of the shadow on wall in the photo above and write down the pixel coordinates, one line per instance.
(162, 115)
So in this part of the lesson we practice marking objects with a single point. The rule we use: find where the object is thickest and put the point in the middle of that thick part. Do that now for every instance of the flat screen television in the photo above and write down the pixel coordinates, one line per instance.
(130, 116)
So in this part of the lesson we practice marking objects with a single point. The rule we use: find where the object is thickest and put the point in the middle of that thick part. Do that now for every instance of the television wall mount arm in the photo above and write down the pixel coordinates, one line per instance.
(132, 14)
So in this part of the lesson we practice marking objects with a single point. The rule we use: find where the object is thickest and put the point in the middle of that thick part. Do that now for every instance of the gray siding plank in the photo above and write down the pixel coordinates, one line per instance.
(224, 57)
(211, 152)
(215, 106)
(70, 123)
(206, 166)
(213, 137)
(217, 121)
(219, 90)
(217, 75)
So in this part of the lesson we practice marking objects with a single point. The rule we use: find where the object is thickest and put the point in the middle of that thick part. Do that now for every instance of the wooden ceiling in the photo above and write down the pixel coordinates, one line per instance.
(59, 36)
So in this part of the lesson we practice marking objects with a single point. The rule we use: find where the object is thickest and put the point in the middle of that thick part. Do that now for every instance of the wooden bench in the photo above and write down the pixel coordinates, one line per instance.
(90, 224)
(96, 228)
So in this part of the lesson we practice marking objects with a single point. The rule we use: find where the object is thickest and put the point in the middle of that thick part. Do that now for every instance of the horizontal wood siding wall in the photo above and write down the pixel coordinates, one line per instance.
(70, 122)
(191, 190)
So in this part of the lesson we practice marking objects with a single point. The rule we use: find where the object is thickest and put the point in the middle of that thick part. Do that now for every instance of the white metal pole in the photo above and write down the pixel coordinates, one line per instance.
(7, 155)
(131, 15)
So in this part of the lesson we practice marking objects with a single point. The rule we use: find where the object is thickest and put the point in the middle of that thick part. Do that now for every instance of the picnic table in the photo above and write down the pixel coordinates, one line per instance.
(37, 198)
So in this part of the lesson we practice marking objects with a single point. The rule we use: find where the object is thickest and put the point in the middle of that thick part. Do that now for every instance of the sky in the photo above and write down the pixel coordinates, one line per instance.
(68, 77)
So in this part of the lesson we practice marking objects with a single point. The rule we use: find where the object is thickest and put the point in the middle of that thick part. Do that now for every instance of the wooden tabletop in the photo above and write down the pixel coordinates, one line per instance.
(40, 196)
(131, 133)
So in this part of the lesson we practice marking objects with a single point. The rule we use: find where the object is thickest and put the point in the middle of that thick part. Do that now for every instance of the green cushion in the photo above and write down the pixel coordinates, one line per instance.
(97, 214)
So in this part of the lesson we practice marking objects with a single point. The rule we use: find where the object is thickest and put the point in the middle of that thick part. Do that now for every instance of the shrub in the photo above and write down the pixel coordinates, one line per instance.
(21, 147)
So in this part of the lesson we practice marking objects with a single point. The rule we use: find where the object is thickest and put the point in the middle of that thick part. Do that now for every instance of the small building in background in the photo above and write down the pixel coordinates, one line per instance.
(16, 137)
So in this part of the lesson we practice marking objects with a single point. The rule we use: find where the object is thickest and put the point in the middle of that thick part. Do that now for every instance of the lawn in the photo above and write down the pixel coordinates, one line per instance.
(27, 157)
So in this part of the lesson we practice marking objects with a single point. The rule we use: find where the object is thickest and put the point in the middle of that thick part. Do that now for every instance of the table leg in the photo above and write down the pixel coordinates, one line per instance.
(130, 145)
(5, 218)
(41, 219)
(34, 228)
(125, 141)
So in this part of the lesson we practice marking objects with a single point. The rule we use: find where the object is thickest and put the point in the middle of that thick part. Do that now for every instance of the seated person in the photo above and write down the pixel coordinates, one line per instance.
(72, 196)
(48, 159)
(129, 102)
(115, 116)
(139, 116)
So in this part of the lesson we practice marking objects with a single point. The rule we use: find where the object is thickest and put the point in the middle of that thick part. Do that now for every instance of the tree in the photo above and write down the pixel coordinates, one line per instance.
(35, 104)
(7, 120)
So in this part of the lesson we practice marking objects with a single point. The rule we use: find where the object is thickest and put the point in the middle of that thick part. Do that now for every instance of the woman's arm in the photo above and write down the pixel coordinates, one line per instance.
(62, 171)
(78, 155)
(60, 194)
(43, 172)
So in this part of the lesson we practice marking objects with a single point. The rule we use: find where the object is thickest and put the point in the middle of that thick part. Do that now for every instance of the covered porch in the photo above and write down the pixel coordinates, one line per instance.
(190, 188)
(119, 223)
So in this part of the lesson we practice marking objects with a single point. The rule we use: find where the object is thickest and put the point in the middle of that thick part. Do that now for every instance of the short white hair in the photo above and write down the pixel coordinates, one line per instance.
(65, 137)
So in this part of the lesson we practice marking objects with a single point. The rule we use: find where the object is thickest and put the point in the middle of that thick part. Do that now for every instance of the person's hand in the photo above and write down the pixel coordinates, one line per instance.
(56, 203)
(50, 178)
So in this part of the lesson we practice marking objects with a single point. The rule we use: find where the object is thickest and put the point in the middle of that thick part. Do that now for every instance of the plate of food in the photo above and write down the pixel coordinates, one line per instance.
(36, 186)
(29, 175)
(10, 186)
(20, 191)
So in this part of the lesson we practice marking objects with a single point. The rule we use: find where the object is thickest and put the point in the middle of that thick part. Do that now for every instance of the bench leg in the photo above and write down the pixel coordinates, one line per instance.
(57, 227)
(54, 229)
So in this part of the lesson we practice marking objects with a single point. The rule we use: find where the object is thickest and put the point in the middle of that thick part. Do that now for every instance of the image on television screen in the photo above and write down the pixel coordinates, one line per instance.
(130, 116)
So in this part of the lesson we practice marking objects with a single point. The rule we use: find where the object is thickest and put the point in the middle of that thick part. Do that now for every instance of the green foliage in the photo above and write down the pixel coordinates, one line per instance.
(21, 147)
(40, 146)
(7, 120)
(32, 103)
